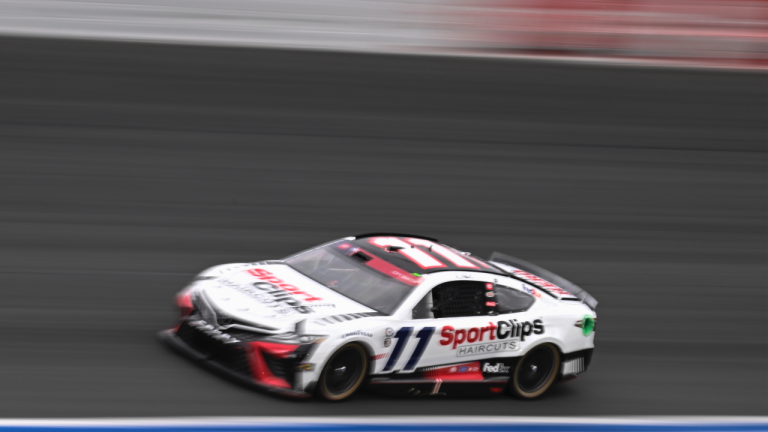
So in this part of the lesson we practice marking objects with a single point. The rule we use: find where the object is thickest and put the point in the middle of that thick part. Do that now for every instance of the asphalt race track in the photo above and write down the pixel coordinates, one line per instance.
(128, 168)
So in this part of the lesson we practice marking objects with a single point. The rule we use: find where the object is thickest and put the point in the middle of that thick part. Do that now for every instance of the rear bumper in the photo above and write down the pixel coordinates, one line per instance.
(575, 364)
(171, 340)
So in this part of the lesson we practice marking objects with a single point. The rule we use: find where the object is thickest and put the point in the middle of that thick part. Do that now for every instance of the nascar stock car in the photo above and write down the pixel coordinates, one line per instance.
(396, 314)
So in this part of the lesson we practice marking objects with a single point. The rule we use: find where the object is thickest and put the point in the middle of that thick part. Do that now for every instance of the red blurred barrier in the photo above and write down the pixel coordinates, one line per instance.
(722, 32)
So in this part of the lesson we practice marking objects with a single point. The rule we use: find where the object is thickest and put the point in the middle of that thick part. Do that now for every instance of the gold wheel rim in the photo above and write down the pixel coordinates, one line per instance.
(548, 383)
(323, 384)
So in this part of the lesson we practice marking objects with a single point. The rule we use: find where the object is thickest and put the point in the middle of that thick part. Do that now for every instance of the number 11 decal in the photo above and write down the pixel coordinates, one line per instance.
(402, 336)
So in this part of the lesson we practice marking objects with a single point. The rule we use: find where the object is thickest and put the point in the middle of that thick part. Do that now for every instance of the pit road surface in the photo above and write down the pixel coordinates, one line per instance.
(128, 168)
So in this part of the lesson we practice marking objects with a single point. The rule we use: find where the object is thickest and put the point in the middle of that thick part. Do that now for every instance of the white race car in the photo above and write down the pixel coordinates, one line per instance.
(396, 314)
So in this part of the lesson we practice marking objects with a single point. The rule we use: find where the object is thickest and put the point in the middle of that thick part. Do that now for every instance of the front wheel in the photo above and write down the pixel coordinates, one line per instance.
(343, 373)
(535, 372)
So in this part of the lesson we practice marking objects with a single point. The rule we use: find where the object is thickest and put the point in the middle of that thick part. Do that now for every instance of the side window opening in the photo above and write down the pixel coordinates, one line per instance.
(453, 299)
(423, 309)
(510, 300)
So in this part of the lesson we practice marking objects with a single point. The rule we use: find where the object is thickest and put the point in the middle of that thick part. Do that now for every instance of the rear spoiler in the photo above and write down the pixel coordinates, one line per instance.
(552, 284)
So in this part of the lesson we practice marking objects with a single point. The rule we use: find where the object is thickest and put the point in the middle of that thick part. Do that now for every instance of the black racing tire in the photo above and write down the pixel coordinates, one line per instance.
(344, 373)
(535, 372)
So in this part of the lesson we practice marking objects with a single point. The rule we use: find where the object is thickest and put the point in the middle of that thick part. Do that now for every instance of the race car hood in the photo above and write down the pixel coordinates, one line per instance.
(272, 298)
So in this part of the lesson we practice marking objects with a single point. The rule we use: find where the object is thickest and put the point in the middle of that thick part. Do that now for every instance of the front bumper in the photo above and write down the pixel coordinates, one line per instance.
(232, 365)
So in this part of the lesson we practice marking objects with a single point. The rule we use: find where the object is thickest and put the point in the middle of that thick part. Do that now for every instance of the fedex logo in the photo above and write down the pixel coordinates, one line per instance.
(497, 368)
(531, 291)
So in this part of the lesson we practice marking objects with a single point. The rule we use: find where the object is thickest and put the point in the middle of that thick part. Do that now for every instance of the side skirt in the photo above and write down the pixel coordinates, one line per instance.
(437, 387)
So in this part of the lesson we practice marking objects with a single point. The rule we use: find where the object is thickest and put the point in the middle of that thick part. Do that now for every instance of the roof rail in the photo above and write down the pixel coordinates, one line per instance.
(389, 234)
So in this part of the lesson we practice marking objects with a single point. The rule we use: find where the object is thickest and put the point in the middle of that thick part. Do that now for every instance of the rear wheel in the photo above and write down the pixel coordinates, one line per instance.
(535, 372)
(344, 373)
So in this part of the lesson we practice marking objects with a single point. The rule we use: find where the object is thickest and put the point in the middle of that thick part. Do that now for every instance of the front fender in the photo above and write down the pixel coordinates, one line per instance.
(319, 358)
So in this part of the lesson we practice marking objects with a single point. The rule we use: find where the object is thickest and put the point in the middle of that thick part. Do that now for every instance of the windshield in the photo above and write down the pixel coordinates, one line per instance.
(357, 274)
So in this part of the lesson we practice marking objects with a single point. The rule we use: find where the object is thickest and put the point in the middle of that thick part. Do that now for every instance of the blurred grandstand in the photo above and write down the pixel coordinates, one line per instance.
(716, 32)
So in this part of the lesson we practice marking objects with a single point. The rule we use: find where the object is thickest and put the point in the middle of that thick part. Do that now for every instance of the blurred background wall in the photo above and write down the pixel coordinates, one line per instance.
(730, 33)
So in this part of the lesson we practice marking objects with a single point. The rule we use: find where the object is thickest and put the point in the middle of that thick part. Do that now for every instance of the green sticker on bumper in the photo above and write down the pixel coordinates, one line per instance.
(587, 325)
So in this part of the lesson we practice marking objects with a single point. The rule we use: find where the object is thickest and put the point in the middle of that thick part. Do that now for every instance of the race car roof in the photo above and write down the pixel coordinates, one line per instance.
(420, 255)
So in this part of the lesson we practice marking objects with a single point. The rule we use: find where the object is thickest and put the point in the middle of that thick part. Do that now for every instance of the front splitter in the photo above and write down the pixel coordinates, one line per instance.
(169, 339)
